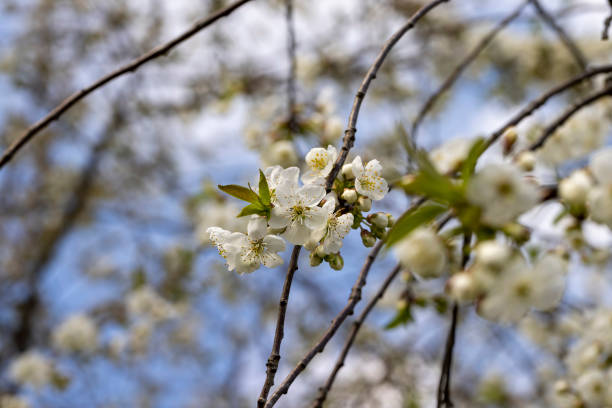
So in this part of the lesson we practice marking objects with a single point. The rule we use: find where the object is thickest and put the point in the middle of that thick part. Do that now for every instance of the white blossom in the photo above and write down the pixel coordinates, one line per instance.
(449, 156)
(281, 153)
(599, 203)
(337, 227)
(297, 209)
(502, 193)
(276, 175)
(423, 253)
(146, 302)
(31, 368)
(574, 189)
(245, 253)
(601, 166)
(520, 288)
(593, 387)
(368, 180)
(78, 333)
(218, 214)
(320, 161)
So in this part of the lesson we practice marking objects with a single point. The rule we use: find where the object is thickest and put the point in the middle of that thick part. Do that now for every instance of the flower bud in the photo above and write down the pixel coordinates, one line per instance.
(349, 195)
(367, 238)
(574, 189)
(320, 251)
(462, 287)
(379, 219)
(509, 139)
(526, 160)
(390, 220)
(315, 260)
(347, 171)
(364, 204)
(336, 262)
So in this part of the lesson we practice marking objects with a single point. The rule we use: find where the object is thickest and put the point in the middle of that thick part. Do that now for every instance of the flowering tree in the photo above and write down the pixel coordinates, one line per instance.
(501, 241)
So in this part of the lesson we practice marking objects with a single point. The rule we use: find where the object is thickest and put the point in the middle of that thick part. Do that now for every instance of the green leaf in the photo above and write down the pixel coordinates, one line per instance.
(412, 219)
(403, 316)
(469, 164)
(240, 192)
(264, 190)
(251, 209)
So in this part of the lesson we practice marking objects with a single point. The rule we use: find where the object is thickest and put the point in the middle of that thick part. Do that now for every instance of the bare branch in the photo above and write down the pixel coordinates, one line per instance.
(578, 55)
(607, 22)
(349, 133)
(159, 51)
(291, 53)
(348, 310)
(550, 130)
(540, 101)
(444, 386)
(469, 58)
(273, 360)
(323, 391)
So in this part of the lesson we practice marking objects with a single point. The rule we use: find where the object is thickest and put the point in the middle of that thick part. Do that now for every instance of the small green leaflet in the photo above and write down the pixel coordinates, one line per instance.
(412, 219)
(264, 190)
(469, 164)
(240, 192)
(260, 204)
(403, 316)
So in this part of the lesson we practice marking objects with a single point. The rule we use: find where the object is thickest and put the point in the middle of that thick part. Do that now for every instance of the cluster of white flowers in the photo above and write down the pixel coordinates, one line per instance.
(32, 368)
(77, 334)
(305, 214)
(505, 286)
(588, 370)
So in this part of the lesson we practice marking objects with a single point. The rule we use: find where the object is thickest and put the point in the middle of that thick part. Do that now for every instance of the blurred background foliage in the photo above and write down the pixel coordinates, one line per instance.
(104, 212)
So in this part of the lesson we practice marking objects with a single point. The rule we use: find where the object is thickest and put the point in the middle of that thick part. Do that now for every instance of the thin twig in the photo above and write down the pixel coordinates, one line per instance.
(572, 47)
(607, 23)
(273, 360)
(348, 310)
(550, 130)
(444, 386)
(323, 391)
(349, 133)
(291, 78)
(469, 58)
(159, 51)
(540, 101)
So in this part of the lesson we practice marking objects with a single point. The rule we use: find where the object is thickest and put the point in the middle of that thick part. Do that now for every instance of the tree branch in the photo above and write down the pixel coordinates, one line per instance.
(444, 386)
(349, 133)
(469, 58)
(550, 130)
(348, 310)
(273, 360)
(291, 78)
(606, 25)
(159, 51)
(572, 47)
(539, 102)
(357, 324)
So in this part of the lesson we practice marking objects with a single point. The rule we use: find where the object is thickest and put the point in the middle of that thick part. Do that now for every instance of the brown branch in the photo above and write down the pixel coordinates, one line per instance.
(291, 78)
(572, 47)
(348, 310)
(159, 51)
(469, 58)
(540, 101)
(273, 360)
(550, 130)
(607, 23)
(357, 324)
(349, 133)
(444, 386)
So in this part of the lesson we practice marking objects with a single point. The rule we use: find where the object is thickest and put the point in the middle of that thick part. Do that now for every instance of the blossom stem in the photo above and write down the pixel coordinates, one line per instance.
(274, 359)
